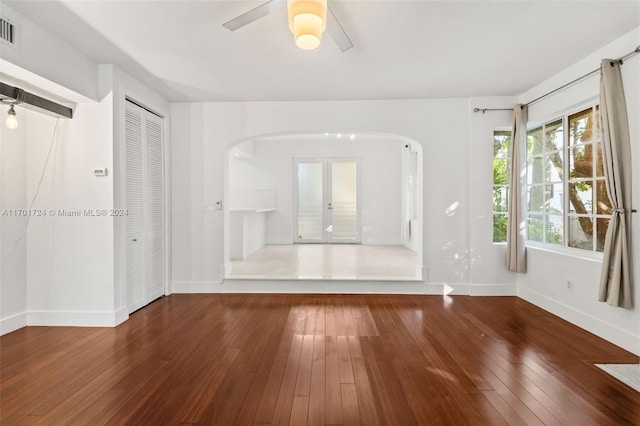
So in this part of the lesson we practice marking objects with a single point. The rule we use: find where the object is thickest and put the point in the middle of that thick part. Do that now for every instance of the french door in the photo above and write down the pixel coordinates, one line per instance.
(326, 200)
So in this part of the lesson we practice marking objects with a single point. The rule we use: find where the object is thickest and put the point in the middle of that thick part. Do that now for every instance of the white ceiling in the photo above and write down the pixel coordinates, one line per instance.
(403, 49)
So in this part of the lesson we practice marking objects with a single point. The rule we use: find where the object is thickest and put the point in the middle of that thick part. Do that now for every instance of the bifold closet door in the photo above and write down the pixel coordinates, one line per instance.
(134, 204)
(154, 207)
(144, 201)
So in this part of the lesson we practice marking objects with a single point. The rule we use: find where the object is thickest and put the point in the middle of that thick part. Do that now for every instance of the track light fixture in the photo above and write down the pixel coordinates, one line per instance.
(10, 95)
(12, 120)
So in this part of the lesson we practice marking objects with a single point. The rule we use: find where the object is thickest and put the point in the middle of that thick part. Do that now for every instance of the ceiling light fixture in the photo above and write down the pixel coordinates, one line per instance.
(307, 21)
(10, 95)
(12, 120)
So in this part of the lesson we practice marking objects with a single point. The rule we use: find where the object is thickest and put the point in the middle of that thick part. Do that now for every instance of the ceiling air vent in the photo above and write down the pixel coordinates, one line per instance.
(8, 32)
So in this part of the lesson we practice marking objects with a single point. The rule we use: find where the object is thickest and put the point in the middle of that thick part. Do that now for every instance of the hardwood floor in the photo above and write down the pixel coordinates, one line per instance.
(317, 360)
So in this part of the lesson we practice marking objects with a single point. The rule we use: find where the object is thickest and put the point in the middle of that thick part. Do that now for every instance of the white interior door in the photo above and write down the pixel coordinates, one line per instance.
(154, 207)
(310, 201)
(144, 201)
(326, 200)
(134, 204)
(343, 218)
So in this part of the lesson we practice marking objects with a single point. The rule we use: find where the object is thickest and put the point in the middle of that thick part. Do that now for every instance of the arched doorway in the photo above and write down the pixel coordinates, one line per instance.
(267, 186)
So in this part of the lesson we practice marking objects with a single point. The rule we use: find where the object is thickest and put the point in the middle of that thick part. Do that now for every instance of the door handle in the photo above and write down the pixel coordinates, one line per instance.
(330, 207)
(134, 240)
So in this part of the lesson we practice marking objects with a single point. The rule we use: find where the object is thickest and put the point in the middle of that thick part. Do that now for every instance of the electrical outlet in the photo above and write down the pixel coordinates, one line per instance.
(569, 285)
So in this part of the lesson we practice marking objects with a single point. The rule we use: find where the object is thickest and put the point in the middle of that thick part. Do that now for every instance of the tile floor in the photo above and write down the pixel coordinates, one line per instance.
(628, 374)
(329, 261)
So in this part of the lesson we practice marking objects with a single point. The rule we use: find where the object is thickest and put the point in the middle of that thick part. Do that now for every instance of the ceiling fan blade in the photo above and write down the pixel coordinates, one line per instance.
(336, 32)
(254, 14)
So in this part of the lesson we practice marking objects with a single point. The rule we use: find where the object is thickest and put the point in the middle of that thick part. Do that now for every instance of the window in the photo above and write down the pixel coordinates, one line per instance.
(567, 201)
(589, 205)
(545, 199)
(501, 167)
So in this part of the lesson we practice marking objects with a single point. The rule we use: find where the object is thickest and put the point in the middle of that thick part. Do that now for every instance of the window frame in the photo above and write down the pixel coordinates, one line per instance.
(545, 213)
(564, 248)
(507, 185)
(594, 179)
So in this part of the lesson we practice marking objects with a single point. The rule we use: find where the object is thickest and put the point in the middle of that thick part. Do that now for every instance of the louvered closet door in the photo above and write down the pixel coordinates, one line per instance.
(154, 206)
(134, 203)
(144, 200)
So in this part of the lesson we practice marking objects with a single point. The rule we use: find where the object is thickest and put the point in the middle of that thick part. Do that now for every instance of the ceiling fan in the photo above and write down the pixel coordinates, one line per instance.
(307, 20)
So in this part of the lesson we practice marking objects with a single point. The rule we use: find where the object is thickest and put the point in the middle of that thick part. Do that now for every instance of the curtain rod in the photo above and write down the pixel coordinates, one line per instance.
(483, 110)
(589, 74)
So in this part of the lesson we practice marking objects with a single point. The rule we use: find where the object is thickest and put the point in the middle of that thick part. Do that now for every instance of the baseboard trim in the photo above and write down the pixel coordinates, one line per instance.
(318, 286)
(458, 289)
(186, 287)
(121, 316)
(609, 332)
(74, 318)
(493, 290)
(13, 323)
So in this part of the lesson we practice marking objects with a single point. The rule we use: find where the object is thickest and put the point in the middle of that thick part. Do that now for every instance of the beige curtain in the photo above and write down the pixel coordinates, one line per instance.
(615, 280)
(516, 225)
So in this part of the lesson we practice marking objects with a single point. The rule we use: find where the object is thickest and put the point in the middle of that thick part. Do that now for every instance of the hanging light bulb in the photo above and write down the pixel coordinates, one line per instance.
(307, 21)
(12, 120)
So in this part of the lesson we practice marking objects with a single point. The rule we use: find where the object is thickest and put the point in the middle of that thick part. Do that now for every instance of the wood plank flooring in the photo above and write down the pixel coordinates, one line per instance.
(317, 360)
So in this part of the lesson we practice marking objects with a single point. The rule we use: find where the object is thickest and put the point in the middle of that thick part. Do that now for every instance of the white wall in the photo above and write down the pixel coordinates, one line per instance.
(271, 167)
(13, 257)
(52, 59)
(201, 134)
(72, 264)
(69, 258)
(248, 233)
(545, 282)
(486, 259)
(73, 275)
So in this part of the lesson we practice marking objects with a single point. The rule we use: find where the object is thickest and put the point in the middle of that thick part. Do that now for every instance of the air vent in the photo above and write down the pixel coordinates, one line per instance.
(8, 32)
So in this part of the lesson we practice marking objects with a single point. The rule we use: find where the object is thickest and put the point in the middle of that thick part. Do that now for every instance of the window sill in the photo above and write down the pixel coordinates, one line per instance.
(592, 256)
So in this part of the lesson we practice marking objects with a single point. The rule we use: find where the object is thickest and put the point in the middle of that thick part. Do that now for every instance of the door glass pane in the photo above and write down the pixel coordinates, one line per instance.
(310, 205)
(344, 201)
